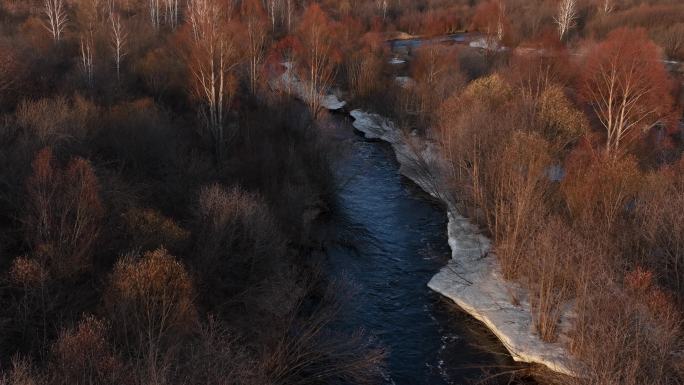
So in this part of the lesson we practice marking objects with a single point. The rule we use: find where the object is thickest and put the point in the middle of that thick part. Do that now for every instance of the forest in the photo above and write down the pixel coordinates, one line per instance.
(160, 194)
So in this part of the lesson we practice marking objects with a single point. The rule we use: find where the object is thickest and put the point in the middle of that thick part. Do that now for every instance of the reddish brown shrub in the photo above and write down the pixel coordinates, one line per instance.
(517, 190)
(84, 356)
(598, 190)
(319, 55)
(27, 272)
(658, 215)
(490, 19)
(437, 76)
(548, 268)
(149, 230)
(63, 213)
(237, 241)
(150, 303)
(57, 120)
(21, 373)
(627, 338)
(627, 86)
(9, 71)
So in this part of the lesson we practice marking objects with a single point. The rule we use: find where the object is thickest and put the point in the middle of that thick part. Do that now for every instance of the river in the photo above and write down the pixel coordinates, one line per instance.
(388, 238)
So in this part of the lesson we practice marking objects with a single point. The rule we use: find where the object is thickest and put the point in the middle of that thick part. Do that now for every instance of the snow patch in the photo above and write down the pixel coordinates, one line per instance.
(472, 278)
(288, 82)
(488, 44)
(404, 81)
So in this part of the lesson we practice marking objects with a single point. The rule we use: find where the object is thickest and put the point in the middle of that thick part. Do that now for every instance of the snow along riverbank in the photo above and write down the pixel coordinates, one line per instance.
(472, 278)
(289, 83)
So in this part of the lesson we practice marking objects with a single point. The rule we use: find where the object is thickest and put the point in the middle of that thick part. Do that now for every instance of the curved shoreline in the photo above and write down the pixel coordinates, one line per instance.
(472, 278)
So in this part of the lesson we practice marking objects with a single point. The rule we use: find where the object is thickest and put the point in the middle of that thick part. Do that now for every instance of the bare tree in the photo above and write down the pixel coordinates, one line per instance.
(8, 69)
(255, 43)
(627, 86)
(119, 40)
(490, 18)
(86, 63)
(289, 11)
(154, 10)
(272, 7)
(607, 6)
(213, 58)
(198, 10)
(500, 22)
(63, 214)
(149, 301)
(382, 7)
(319, 55)
(566, 17)
(171, 13)
(57, 18)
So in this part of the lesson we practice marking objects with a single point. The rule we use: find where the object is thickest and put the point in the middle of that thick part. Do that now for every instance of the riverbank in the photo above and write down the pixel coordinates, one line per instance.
(386, 239)
(472, 278)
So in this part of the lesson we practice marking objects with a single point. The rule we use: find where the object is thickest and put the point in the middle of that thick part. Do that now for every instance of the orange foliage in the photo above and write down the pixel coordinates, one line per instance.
(598, 190)
(318, 54)
(150, 303)
(627, 86)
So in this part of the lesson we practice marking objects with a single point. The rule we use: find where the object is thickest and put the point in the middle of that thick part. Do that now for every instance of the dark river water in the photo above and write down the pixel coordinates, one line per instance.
(388, 238)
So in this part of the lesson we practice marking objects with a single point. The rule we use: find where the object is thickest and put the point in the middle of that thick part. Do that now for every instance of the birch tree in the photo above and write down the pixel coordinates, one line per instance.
(154, 8)
(57, 18)
(272, 8)
(254, 20)
(171, 13)
(607, 6)
(490, 18)
(319, 56)
(382, 7)
(566, 18)
(289, 10)
(86, 60)
(212, 61)
(119, 41)
(627, 86)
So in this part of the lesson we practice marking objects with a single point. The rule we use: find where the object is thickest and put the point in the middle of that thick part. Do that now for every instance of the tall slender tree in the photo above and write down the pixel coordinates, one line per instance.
(212, 61)
(318, 56)
(57, 18)
(255, 22)
(119, 41)
(627, 85)
(566, 18)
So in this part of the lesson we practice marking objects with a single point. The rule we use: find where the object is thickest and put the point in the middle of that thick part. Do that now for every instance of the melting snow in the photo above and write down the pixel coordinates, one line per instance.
(289, 83)
(472, 278)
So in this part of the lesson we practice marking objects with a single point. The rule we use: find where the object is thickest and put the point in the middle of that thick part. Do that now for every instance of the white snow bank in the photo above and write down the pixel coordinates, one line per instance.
(404, 81)
(488, 44)
(396, 60)
(288, 82)
(472, 278)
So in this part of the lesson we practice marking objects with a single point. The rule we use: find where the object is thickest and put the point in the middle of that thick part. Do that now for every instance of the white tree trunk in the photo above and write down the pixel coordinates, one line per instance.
(566, 17)
(87, 66)
(211, 66)
(119, 40)
(57, 18)
(154, 9)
